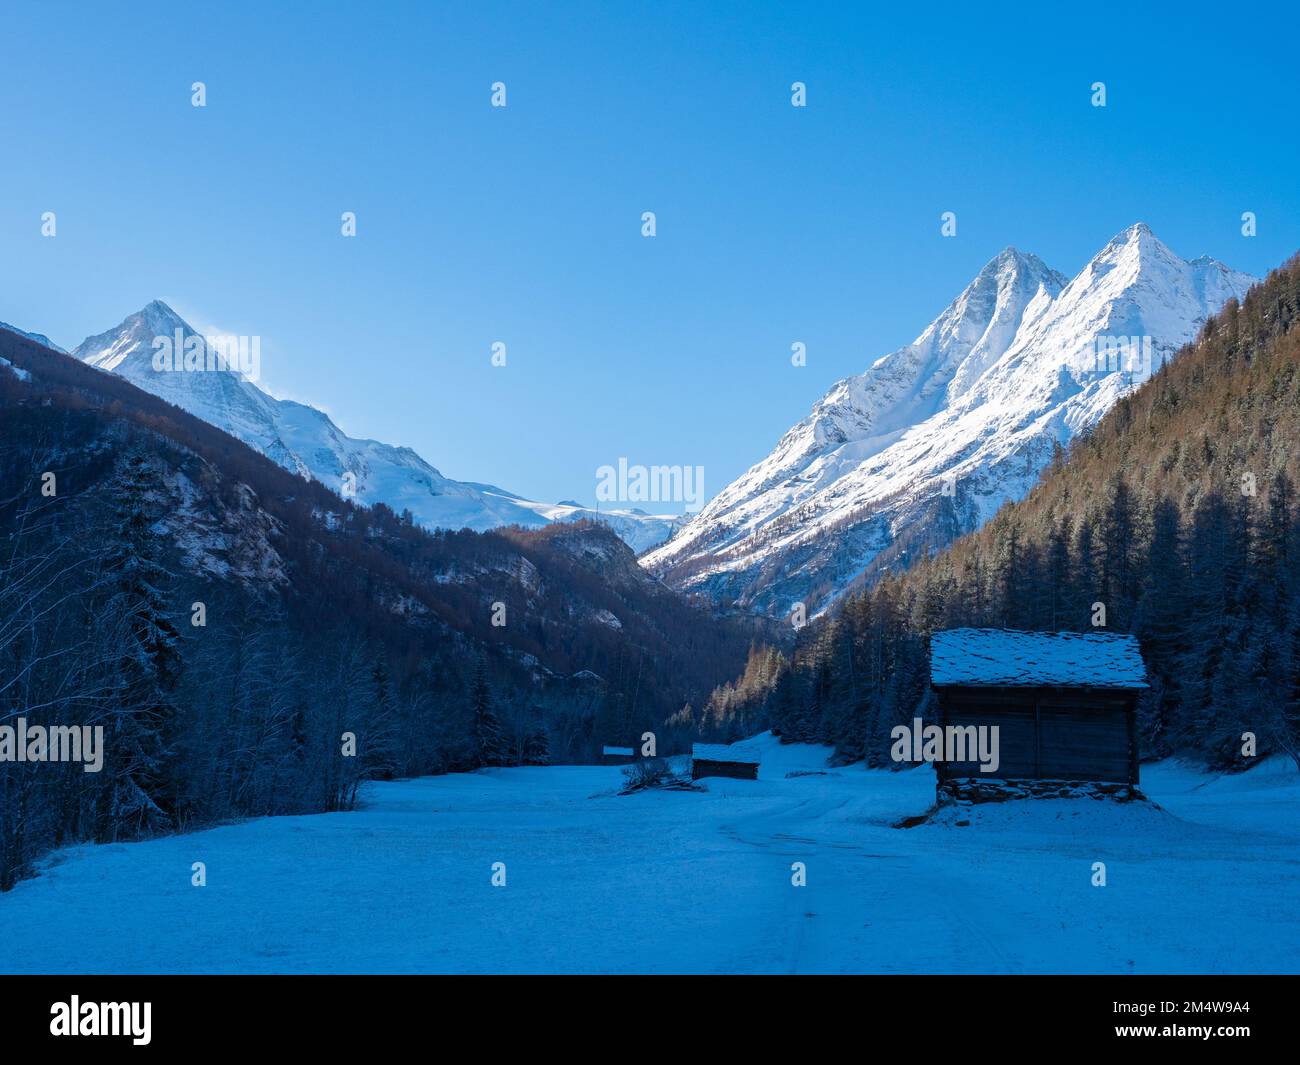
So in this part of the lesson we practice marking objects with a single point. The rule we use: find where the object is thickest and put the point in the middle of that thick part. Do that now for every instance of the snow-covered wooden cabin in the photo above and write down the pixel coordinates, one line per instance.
(724, 760)
(617, 756)
(1065, 703)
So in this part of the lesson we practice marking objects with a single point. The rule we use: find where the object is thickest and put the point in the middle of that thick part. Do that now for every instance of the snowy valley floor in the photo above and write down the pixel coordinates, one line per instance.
(686, 882)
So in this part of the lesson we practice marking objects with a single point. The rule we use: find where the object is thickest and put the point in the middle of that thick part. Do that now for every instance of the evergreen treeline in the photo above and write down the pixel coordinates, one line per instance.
(334, 643)
(1176, 519)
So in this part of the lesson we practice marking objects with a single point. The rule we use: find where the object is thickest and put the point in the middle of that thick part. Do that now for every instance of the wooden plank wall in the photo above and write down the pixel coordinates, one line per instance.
(737, 770)
(1048, 733)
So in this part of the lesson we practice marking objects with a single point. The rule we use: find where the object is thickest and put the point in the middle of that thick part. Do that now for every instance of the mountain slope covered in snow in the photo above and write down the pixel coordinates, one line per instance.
(40, 338)
(934, 437)
(306, 441)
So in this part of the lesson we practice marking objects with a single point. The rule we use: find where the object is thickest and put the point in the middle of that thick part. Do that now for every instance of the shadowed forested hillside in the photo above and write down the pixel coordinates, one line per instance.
(227, 623)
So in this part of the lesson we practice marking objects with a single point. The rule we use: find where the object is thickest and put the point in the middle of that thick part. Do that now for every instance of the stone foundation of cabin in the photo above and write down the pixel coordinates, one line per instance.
(975, 790)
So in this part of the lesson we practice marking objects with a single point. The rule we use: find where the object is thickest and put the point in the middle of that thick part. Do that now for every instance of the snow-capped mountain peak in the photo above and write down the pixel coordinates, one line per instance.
(307, 442)
(934, 437)
(909, 384)
(133, 338)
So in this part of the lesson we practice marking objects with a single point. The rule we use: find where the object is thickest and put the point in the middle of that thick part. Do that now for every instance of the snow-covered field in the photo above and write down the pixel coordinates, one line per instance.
(688, 882)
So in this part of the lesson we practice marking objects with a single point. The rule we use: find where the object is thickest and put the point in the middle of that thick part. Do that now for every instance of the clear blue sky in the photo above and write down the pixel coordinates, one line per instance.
(475, 224)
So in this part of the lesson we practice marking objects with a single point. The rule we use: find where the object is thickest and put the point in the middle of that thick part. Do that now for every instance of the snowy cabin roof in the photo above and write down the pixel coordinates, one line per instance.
(618, 750)
(726, 752)
(1009, 658)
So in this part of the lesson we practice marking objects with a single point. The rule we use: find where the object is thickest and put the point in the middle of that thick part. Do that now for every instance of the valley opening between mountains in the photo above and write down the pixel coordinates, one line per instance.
(256, 644)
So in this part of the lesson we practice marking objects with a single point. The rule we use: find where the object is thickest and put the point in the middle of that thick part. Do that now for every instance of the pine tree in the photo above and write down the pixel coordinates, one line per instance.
(1083, 570)
(1058, 574)
(537, 747)
(137, 795)
(1119, 569)
(489, 743)
(1007, 577)
(1160, 627)
(1277, 548)
(381, 755)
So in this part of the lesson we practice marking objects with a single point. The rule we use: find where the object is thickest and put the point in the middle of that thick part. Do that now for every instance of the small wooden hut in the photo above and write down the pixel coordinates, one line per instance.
(1064, 703)
(617, 756)
(724, 760)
